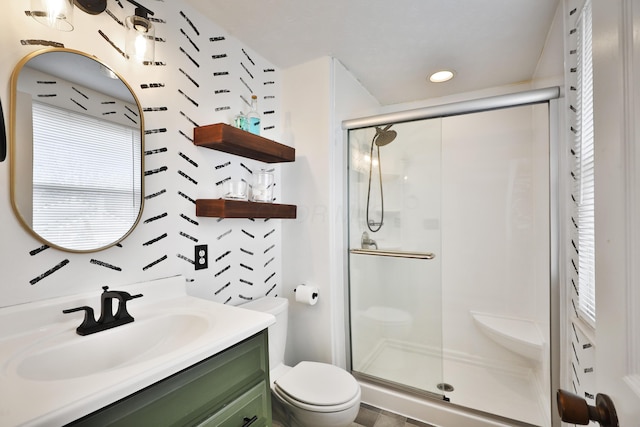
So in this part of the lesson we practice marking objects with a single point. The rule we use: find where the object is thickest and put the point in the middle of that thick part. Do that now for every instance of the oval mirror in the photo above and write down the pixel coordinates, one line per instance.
(76, 151)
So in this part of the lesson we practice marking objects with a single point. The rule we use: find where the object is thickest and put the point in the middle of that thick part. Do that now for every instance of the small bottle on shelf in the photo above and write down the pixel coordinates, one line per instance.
(253, 117)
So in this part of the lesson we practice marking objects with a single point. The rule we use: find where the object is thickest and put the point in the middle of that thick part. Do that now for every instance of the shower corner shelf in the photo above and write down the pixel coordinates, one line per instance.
(226, 138)
(222, 208)
(521, 336)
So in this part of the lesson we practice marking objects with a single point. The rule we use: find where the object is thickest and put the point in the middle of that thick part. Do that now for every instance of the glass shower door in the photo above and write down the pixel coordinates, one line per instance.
(394, 248)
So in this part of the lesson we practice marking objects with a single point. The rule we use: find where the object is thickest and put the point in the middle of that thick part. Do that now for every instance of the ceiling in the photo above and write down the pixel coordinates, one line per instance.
(391, 46)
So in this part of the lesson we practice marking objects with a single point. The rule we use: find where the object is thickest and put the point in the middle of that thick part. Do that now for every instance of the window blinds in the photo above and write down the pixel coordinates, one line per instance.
(86, 193)
(584, 169)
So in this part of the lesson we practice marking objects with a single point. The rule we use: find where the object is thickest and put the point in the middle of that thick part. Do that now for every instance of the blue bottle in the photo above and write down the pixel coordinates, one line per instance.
(253, 117)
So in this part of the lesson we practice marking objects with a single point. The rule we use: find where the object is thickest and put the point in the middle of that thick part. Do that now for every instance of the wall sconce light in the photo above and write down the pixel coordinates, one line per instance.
(57, 14)
(141, 35)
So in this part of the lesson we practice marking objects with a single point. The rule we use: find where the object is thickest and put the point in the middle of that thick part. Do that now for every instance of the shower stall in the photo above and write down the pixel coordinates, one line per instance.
(451, 254)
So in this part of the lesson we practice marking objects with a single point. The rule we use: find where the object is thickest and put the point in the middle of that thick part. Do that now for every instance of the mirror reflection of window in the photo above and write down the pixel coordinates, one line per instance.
(76, 151)
(77, 175)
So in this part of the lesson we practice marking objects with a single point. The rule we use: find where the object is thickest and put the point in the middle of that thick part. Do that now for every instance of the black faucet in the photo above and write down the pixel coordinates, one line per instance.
(107, 319)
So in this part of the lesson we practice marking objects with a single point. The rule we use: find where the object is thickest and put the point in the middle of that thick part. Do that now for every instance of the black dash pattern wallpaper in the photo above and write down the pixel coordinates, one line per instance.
(200, 76)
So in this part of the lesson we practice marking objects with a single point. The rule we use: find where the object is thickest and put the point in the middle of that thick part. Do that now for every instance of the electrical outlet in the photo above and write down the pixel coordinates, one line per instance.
(202, 257)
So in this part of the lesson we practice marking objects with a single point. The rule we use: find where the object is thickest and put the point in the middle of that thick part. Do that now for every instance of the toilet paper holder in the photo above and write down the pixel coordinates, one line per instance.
(313, 295)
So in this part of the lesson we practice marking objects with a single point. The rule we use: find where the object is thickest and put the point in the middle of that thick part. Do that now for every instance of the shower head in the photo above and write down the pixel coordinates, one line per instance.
(381, 138)
(384, 136)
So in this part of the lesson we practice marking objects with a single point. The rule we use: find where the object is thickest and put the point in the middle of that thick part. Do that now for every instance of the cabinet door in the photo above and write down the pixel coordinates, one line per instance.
(194, 395)
(247, 410)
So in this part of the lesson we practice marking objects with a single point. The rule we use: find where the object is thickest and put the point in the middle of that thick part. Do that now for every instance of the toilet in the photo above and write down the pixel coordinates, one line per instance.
(310, 394)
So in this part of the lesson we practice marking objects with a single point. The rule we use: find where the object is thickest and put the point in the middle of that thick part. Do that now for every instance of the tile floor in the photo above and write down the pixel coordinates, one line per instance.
(370, 416)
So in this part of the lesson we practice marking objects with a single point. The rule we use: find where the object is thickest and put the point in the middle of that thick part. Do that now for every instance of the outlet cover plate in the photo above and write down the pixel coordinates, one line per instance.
(201, 257)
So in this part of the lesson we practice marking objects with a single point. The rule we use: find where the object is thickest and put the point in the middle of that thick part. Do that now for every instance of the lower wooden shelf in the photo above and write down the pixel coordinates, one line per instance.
(222, 208)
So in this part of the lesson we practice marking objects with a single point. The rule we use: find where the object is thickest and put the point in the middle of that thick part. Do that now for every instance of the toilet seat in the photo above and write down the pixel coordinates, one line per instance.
(333, 390)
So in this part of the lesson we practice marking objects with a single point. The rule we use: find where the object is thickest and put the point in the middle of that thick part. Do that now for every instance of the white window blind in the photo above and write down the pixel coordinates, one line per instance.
(86, 193)
(584, 149)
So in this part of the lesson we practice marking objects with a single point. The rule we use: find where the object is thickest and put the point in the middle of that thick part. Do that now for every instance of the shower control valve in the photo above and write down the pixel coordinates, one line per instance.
(366, 242)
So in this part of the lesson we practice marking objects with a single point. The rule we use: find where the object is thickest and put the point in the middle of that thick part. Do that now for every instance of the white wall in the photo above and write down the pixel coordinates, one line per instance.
(550, 72)
(201, 76)
(351, 100)
(305, 242)
(313, 245)
(550, 68)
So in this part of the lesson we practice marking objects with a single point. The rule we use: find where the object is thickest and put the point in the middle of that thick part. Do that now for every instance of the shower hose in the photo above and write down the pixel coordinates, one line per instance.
(372, 226)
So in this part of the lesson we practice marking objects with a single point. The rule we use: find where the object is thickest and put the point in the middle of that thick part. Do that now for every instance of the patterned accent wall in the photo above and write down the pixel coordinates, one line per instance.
(582, 350)
(200, 76)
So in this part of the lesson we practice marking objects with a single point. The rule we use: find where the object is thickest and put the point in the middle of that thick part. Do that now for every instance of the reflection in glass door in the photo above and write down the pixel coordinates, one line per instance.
(394, 265)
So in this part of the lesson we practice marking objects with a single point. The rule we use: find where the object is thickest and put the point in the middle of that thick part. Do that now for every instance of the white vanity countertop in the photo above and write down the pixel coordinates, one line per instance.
(49, 375)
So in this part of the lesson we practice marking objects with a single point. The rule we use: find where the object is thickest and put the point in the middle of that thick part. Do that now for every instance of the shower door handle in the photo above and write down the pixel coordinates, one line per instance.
(394, 254)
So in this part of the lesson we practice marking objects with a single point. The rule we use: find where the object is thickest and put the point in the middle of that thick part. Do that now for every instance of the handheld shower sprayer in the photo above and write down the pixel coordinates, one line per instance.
(382, 137)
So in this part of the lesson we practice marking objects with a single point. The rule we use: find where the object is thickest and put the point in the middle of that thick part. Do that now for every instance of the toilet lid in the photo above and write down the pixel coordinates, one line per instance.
(331, 385)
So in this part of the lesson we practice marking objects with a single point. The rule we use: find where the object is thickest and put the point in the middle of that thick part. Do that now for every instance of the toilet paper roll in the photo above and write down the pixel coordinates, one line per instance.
(306, 294)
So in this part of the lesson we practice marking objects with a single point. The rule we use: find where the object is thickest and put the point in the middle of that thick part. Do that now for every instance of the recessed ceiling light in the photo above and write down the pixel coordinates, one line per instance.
(441, 76)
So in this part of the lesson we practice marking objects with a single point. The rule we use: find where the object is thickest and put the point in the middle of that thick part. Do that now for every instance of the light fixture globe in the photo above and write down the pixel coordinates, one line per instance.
(57, 14)
(140, 39)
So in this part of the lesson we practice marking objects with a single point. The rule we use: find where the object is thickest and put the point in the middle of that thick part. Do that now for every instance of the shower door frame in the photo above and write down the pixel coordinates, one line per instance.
(547, 95)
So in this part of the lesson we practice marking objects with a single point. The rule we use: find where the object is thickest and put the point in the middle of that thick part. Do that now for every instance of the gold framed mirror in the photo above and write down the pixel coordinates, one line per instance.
(76, 150)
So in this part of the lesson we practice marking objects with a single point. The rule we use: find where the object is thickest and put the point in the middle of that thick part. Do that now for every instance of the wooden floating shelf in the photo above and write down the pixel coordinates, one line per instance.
(222, 208)
(223, 137)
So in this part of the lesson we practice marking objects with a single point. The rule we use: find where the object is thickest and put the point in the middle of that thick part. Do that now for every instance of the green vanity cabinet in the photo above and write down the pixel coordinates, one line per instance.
(229, 389)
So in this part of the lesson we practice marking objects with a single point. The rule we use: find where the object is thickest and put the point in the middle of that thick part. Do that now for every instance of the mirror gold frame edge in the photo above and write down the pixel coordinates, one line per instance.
(12, 145)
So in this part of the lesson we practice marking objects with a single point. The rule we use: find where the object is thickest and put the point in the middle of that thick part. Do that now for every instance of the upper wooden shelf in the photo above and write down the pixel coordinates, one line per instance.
(223, 137)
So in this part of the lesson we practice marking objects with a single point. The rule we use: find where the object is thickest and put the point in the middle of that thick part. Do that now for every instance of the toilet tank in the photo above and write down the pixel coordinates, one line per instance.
(278, 307)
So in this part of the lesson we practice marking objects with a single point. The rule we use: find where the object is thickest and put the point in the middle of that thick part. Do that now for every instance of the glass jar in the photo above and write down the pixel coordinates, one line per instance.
(262, 189)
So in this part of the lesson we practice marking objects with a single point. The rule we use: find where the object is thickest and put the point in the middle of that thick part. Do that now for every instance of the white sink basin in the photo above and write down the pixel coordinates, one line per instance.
(50, 375)
(63, 357)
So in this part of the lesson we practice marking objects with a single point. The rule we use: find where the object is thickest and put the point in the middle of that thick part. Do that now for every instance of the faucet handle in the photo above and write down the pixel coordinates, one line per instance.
(128, 296)
(89, 321)
(366, 242)
(86, 308)
(122, 312)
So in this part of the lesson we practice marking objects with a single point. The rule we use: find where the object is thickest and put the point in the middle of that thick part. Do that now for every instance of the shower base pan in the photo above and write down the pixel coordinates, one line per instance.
(508, 393)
